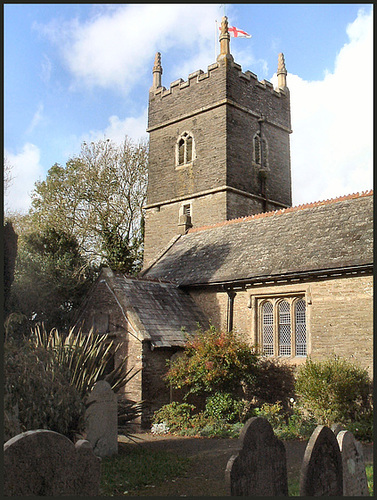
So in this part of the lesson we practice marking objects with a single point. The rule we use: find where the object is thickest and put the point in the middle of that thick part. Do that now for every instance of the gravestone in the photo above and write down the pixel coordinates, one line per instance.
(355, 481)
(259, 467)
(46, 463)
(102, 420)
(321, 471)
(336, 428)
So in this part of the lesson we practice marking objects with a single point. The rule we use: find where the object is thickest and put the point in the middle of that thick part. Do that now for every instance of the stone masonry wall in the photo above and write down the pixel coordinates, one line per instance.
(221, 109)
(155, 391)
(339, 315)
(102, 303)
(161, 226)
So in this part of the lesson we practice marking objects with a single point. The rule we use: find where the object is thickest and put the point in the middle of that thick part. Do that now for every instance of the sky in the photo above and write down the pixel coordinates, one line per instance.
(82, 72)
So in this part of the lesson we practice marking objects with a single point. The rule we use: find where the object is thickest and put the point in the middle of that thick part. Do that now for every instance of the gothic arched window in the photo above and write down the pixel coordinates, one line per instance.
(282, 329)
(300, 323)
(268, 328)
(285, 330)
(185, 149)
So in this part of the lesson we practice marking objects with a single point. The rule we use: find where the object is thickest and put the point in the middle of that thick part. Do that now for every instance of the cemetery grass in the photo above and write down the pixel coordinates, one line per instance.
(294, 484)
(137, 470)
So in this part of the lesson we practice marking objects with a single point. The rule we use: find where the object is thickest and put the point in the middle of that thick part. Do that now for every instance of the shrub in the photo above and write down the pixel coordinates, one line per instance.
(213, 361)
(362, 429)
(275, 382)
(273, 413)
(286, 425)
(223, 406)
(334, 390)
(38, 394)
(175, 415)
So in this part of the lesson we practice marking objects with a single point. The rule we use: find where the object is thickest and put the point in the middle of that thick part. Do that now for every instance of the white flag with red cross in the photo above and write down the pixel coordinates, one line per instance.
(237, 33)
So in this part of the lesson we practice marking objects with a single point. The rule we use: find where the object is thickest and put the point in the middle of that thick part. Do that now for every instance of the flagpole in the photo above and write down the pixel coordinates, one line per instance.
(216, 31)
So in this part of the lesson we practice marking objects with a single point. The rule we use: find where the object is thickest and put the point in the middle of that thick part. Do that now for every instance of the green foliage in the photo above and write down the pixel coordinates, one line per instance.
(180, 419)
(175, 415)
(214, 361)
(49, 376)
(98, 198)
(369, 471)
(286, 426)
(334, 390)
(223, 406)
(10, 254)
(275, 382)
(17, 327)
(38, 393)
(362, 429)
(273, 413)
(86, 357)
(50, 277)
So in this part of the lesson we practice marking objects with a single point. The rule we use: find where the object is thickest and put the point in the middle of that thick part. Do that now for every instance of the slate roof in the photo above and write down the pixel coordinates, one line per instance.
(158, 311)
(329, 235)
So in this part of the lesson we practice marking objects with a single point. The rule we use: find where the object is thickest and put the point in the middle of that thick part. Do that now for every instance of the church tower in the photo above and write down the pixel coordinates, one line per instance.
(218, 150)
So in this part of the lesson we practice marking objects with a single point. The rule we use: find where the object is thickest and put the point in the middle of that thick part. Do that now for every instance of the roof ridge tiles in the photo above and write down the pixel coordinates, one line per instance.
(147, 278)
(296, 208)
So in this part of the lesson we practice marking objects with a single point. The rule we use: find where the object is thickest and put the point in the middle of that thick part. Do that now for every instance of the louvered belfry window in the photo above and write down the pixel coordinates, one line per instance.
(185, 149)
(257, 150)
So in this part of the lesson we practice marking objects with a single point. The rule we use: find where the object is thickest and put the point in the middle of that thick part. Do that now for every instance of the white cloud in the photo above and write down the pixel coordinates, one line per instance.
(332, 122)
(46, 69)
(37, 118)
(26, 169)
(135, 128)
(114, 49)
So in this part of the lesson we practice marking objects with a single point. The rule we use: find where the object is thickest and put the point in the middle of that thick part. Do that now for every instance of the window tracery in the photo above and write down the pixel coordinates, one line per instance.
(185, 149)
(283, 329)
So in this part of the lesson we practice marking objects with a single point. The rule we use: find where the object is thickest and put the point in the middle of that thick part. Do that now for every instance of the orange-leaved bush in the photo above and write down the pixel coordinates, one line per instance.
(214, 361)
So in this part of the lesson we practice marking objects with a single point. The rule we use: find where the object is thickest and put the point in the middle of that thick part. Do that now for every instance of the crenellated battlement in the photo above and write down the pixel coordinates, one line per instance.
(193, 78)
(198, 76)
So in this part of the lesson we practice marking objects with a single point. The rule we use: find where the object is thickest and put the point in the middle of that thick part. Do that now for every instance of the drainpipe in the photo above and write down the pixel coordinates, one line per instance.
(231, 296)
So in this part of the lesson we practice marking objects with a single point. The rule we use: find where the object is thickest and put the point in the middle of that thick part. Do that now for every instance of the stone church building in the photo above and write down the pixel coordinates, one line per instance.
(223, 243)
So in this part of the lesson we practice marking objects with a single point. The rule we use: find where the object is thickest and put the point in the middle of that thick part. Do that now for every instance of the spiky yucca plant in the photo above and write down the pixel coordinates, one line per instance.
(86, 356)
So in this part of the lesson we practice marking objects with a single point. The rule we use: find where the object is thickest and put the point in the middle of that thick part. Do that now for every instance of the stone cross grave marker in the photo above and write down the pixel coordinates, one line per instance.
(46, 463)
(102, 420)
(321, 470)
(259, 467)
(355, 481)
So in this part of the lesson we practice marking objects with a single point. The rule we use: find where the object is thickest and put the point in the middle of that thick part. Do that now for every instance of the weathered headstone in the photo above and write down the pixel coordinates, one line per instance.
(355, 481)
(336, 428)
(102, 420)
(321, 471)
(259, 467)
(45, 463)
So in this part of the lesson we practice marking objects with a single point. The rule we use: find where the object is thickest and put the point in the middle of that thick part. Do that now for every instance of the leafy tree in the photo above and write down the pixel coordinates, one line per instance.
(214, 361)
(8, 177)
(98, 198)
(50, 277)
(10, 253)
